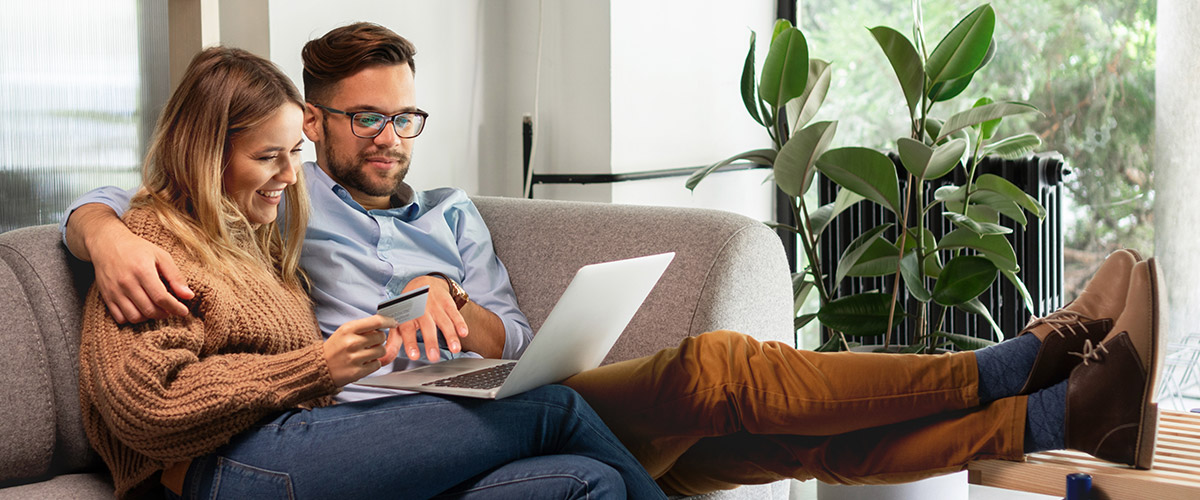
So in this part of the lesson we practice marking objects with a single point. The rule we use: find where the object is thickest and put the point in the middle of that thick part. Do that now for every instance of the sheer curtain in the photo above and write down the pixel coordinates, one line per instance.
(81, 83)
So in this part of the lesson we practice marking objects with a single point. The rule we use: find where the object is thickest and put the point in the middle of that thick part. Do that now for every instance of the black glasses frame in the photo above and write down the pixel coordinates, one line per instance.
(395, 127)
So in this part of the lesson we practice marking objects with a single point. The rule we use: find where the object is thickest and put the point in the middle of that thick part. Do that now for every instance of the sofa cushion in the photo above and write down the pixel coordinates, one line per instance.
(40, 297)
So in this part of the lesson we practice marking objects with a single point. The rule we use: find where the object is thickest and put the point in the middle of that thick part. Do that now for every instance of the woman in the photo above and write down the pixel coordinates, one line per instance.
(234, 399)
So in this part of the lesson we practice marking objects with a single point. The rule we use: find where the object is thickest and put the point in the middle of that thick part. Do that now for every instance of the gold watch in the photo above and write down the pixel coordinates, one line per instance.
(456, 291)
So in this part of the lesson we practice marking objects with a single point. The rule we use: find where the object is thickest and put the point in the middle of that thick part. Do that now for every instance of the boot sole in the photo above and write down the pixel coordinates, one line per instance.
(1148, 421)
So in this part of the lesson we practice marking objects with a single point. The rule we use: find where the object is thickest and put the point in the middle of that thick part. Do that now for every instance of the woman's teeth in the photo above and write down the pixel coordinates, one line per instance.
(270, 194)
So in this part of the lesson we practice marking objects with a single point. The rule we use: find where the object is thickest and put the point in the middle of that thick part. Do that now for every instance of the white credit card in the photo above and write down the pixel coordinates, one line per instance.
(406, 307)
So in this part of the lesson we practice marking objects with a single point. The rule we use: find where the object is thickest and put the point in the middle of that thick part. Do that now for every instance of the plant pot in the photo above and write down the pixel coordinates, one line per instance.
(948, 487)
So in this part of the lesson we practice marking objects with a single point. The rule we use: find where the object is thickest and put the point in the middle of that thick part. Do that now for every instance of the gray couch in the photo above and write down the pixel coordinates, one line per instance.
(729, 273)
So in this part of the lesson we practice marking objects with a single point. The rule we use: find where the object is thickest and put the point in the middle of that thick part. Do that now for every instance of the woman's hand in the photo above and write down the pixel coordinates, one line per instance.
(356, 349)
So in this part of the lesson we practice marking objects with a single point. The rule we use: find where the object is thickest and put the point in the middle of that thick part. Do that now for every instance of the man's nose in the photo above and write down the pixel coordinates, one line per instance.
(387, 137)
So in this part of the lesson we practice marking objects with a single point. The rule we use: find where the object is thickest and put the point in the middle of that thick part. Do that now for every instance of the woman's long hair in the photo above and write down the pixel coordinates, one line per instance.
(224, 92)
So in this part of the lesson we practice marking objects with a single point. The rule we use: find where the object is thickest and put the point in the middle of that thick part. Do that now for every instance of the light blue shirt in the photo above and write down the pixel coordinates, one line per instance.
(356, 258)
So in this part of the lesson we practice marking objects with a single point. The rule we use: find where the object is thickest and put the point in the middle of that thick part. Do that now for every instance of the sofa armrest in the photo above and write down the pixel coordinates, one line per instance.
(730, 272)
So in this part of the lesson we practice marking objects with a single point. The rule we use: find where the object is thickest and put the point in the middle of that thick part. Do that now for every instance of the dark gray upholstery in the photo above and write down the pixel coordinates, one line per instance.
(729, 273)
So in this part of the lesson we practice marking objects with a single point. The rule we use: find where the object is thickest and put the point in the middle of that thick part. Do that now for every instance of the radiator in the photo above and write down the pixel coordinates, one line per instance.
(1038, 248)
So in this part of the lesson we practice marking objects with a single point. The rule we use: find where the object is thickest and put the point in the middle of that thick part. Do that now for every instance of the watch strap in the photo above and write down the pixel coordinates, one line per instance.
(456, 291)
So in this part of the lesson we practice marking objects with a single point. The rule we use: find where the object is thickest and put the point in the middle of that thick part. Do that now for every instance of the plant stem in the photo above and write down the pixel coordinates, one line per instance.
(810, 250)
(887, 336)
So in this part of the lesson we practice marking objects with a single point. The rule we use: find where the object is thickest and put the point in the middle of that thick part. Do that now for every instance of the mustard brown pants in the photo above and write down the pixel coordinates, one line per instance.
(723, 409)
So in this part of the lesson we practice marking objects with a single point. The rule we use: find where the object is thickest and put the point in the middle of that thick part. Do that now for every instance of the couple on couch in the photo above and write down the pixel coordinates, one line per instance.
(220, 333)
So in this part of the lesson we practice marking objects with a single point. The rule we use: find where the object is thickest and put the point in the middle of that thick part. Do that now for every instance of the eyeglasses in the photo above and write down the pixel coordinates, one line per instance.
(368, 124)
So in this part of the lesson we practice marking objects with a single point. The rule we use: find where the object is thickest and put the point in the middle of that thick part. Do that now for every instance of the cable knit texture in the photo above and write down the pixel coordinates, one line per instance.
(165, 391)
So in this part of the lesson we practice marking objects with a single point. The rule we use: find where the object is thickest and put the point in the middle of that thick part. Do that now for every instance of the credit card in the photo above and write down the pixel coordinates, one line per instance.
(406, 307)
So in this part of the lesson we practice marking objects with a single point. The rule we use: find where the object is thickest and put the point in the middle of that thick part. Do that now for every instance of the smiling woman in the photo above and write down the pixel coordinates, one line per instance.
(262, 162)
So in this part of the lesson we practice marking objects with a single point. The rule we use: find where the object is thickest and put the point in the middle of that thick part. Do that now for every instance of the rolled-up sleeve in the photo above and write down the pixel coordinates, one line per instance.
(486, 278)
(115, 197)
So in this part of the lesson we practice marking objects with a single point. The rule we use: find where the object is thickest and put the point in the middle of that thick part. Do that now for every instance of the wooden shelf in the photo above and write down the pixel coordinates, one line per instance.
(1176, 471)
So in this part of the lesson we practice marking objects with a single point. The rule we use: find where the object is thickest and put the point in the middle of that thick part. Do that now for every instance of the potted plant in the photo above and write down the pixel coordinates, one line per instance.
(936, 274)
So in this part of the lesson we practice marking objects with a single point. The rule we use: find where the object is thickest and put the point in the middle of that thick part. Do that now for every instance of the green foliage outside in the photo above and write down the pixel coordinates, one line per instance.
(1088, 65)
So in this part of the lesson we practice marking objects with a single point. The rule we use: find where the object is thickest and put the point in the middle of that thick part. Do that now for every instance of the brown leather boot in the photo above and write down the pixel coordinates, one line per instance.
(1088, 318)
(1145, 317)
(1110, 414)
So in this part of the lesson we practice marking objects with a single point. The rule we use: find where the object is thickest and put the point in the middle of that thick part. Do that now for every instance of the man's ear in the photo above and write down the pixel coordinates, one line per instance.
(312, 123)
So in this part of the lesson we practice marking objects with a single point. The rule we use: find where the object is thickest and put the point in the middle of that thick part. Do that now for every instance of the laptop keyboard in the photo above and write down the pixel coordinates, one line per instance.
(486, 378)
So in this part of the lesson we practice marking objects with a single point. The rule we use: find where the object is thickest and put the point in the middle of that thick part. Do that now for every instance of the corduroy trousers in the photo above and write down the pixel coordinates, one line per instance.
(723, 409)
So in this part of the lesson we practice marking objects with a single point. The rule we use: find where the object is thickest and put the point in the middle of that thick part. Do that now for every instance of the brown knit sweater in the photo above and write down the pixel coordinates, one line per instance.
(165, 391)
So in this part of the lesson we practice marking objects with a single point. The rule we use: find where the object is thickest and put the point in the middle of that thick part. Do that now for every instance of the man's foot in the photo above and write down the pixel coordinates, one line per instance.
(1088, 318)
(1111, 412)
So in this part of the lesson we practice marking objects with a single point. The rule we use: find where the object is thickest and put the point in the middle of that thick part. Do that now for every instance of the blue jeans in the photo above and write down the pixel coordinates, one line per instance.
(546, 443)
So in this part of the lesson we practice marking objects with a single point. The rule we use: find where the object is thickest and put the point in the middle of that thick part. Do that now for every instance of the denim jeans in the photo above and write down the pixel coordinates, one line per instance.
(546, 443)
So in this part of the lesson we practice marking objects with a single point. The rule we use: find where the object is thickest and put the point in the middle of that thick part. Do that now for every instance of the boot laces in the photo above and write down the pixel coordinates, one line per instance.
(1091, 352)
(1059, 321)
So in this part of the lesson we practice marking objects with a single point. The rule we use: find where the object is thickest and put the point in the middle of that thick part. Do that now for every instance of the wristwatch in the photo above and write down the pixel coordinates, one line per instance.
(456, 291)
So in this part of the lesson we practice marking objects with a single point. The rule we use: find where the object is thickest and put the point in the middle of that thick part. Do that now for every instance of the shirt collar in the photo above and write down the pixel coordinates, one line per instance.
(405, 202)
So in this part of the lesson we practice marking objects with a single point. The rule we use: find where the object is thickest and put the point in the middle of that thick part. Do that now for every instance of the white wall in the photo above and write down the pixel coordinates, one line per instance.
(625, 86)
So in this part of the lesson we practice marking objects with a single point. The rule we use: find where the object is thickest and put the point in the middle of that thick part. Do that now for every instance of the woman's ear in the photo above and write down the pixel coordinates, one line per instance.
(312, 123)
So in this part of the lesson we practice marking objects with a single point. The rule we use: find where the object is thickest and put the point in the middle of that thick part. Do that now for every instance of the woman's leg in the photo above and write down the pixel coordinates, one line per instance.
(412, 446)
(550, 477)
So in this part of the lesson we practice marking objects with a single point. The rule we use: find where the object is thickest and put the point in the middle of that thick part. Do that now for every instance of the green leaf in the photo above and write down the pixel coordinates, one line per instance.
(878, 260)
(963, 278)
(964, 48)
(785, 72)
(929, 163)
(974, 306)
(794, 164)
(864, 171)
(1001, 186)
(822, 216)
(906, 62)
(975, 116)
(855, 250)
(749, 97)
(1012, 277)
(803, 320)
(807, 105)
(801, 288)
(834, 344)
(1000, 203)
(763, 156)
(986, 129)
(781, 25)
(994, 247)
(864, 314)
(980, 228)
(913, 281)
(1013, 147)
(964, 342)
(944, 91)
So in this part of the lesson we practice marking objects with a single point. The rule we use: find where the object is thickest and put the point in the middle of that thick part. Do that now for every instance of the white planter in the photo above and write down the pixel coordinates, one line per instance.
(946, 487)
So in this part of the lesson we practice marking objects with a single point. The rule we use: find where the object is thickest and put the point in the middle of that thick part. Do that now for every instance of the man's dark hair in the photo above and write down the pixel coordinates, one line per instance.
(347, 50)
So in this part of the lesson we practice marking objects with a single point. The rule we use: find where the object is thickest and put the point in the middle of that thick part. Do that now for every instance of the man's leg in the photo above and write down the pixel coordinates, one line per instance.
(550, 477)
(413, 446)
(722, 383)
(899, 452)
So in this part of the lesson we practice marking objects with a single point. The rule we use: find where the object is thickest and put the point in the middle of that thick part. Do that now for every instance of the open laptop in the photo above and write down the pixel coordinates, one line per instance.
(583, 326)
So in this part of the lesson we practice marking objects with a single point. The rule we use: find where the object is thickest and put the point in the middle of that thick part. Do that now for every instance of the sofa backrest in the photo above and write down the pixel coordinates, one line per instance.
(730, 271)
(40, 304)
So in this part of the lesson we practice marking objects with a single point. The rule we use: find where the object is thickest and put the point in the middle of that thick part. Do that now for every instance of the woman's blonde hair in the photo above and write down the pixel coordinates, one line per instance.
(224, 92)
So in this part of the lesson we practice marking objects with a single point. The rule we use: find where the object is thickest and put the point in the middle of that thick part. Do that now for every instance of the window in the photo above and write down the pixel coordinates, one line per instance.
(76, 104)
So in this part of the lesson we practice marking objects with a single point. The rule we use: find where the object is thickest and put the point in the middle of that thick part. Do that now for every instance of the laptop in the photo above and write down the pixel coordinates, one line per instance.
(583, 326)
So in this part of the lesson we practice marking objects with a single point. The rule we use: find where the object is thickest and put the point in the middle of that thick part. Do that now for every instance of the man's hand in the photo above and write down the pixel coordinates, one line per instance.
(356, 349)
(130, 271)
(440, 314)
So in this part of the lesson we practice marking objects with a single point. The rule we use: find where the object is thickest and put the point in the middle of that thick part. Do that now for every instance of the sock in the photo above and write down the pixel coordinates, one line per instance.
(1004, 367)
(1045, 419)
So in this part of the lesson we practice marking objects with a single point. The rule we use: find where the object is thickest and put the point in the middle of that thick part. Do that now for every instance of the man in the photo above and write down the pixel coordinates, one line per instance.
(719, 410)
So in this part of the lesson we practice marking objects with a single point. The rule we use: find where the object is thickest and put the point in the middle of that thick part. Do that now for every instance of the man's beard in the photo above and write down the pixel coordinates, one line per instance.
(350, 171)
